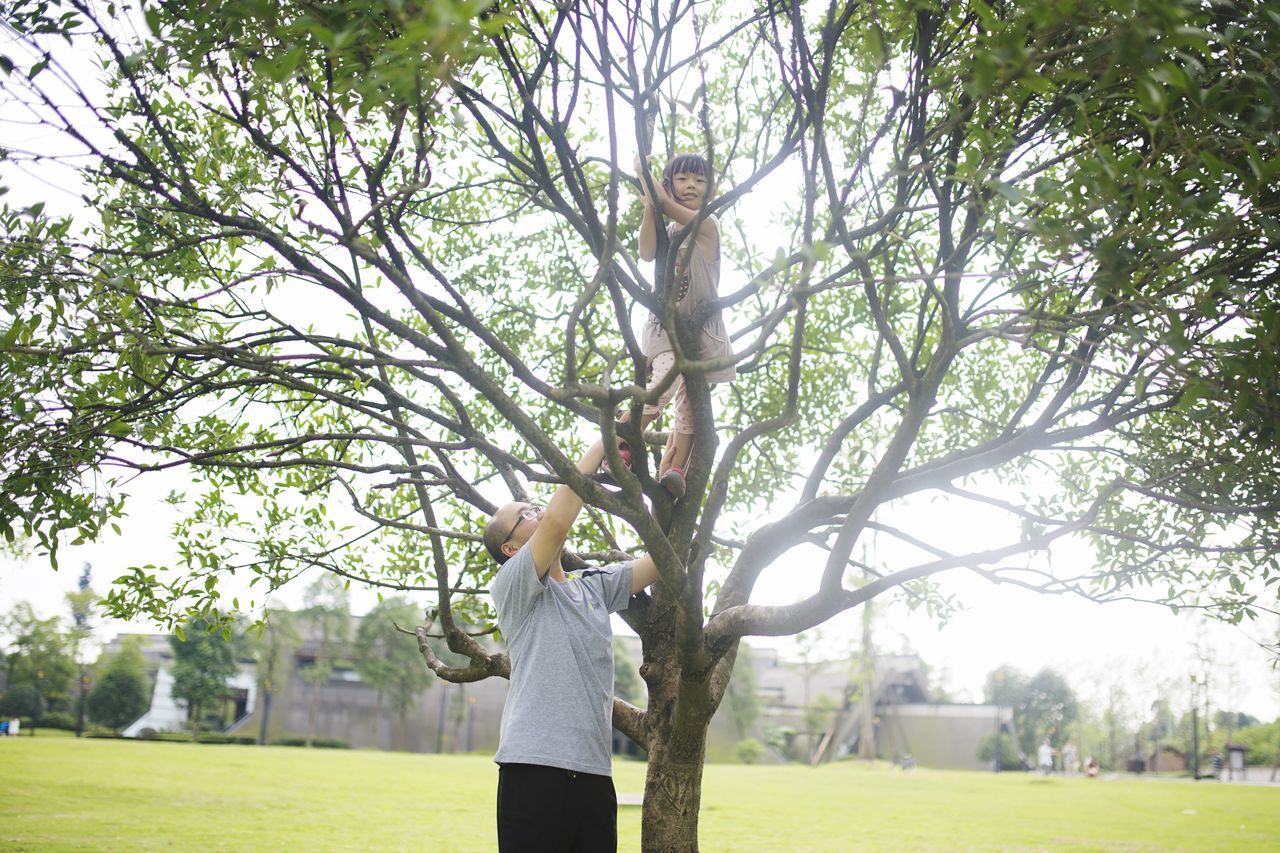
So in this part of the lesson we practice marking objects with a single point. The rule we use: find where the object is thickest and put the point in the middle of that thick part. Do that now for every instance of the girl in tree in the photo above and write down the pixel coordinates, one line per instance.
(685, 186)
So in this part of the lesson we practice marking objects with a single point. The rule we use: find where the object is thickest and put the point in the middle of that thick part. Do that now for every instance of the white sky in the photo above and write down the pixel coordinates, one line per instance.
(1092, 645)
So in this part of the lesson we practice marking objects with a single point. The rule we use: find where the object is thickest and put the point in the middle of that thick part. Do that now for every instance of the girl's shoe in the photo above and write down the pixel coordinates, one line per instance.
(673, 482)
(606, 476)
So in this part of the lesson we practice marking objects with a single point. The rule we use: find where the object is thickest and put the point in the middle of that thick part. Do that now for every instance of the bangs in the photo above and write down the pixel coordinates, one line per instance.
(690, 164)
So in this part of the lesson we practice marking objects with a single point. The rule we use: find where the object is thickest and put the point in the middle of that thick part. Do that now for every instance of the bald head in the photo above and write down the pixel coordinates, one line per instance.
(509, 528)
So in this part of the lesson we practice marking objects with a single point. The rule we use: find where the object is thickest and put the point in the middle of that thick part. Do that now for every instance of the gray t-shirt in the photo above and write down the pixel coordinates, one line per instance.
(559, 709)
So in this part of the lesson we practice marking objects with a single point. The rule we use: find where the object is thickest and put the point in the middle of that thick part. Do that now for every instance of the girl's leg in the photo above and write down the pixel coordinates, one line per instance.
(660, 365)
(679, 449)
(679, 445)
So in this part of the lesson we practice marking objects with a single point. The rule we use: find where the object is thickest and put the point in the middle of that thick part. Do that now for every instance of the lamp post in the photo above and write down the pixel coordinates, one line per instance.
(1195, 732)
(995, 696)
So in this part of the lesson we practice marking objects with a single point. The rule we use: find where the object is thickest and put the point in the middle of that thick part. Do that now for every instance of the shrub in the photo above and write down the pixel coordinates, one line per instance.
(58, 720)
(749, 750)
(1010, 759)
(320, 742)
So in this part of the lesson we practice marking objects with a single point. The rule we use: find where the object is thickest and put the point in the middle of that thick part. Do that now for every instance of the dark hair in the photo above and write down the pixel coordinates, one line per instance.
(495, 551)
(693, 164)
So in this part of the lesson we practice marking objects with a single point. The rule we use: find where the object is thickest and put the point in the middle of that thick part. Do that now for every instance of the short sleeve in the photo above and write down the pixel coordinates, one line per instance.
(614, 585)
(515, 588)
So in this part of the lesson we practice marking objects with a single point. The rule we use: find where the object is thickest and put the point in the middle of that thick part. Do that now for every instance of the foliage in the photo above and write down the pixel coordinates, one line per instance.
(21, 700)
(318, 742)
(1262, 742)
(748, 750)
(387, 656)
(1044, 706)
(1011, 756)
(122, 691)
(63, 720)
(363, 275)
(39, 657)
(203, 661)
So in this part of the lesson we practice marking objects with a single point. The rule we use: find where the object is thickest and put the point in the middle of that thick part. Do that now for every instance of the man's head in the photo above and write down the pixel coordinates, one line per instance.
(509, 528)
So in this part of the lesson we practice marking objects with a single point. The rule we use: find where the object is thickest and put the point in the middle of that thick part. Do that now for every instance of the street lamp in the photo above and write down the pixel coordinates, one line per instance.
(1195, 731)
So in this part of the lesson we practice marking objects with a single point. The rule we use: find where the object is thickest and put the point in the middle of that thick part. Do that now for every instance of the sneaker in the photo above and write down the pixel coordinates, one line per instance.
(673, 482)
(606, 476)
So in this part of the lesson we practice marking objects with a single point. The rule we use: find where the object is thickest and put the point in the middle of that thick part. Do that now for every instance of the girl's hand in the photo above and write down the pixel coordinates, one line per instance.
(641, 173)
(663, 197)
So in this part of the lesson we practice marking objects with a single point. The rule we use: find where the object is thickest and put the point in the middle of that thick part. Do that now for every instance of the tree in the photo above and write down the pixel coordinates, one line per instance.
(327, 615)
(82, 603)
(1044, 706)
(122, 692)
(388, 660)
(40, 667)
(272, 644)
(368, 268)
(203, 660)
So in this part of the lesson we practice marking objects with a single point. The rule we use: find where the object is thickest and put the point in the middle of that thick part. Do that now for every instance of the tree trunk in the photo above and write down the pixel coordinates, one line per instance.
(673, 791)
(377, 719)
(262, 720)
(315, 710)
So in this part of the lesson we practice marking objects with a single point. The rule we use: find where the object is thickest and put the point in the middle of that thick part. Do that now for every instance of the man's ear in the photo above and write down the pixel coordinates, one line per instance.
(509, 548)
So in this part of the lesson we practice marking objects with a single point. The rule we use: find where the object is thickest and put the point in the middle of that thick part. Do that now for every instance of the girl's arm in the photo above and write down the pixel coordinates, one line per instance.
(648, 233)
(648, 226)
(708, 237)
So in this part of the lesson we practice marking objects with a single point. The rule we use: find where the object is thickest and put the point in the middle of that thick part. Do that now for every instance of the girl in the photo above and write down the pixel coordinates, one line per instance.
(685, 186)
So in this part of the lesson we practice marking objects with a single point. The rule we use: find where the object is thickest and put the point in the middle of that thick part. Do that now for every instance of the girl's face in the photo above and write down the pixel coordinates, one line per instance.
(689, 189)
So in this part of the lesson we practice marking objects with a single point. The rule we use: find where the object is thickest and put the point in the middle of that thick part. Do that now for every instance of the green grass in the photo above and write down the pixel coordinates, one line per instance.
(68, 794)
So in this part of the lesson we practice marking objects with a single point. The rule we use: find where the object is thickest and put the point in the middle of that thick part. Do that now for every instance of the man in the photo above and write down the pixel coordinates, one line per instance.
(1045, 757)
(555, 788)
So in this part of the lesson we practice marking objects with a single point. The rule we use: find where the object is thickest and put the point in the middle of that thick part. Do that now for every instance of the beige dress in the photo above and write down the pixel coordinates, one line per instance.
(698, 287)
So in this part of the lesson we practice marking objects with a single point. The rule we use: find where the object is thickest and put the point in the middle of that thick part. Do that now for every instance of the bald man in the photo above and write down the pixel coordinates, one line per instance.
(555, 786)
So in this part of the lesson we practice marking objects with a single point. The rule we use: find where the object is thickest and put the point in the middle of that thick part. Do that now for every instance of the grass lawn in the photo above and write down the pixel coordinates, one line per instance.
(68, 794)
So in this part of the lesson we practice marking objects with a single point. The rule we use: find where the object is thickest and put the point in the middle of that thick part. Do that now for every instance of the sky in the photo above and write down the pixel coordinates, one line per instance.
(1092, 645)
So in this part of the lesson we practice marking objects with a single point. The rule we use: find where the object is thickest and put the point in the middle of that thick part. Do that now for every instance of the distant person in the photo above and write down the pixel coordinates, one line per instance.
(555, 786)
(1044, 758)
(1091, 767)
(15, 725)
(1217, 766)
(4, 728)
(1070, 758)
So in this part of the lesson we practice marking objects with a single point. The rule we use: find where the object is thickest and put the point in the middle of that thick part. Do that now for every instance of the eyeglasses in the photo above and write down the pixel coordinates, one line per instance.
(529, 513)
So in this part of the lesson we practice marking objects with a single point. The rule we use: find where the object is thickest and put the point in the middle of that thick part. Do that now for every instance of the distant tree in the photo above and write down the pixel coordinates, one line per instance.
(203, 660)
(744, 702)
(1234, 720)
(388, 659)
(39, 659)
(123, 690)
(1044, 706)
(271, 646)
(627, 685)
(327, 615)
(21, 700)
(82, 602)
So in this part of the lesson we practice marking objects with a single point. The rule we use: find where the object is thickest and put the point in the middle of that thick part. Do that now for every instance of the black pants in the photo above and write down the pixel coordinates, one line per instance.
(550, 810)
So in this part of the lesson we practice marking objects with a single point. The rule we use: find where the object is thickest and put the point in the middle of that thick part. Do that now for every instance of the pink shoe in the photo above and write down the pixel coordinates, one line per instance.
(606, 476)
(673, 482)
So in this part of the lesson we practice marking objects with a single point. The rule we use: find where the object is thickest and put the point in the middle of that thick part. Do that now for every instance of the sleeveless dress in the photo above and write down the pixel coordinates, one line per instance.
(698, 287)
